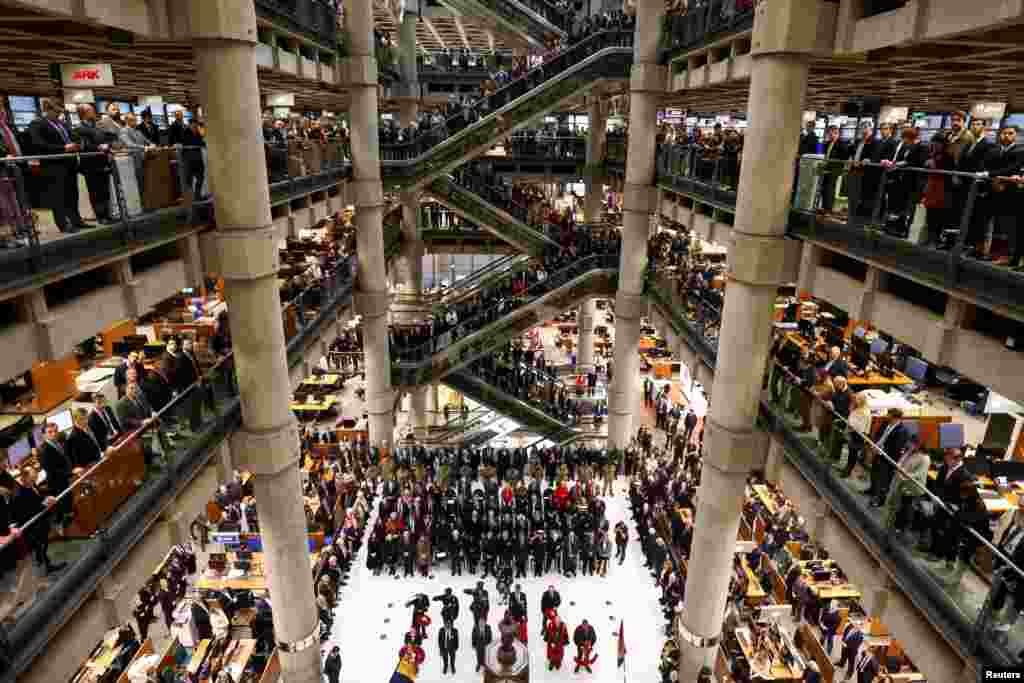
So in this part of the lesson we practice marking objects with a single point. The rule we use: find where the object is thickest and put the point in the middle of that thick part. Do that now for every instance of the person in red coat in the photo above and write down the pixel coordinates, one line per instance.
(556, 635)
(414, 651)
(562, 496)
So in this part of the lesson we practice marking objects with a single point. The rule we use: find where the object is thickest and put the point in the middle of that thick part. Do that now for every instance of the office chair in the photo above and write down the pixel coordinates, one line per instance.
(917, 370)
(951, 435)
(879, 346)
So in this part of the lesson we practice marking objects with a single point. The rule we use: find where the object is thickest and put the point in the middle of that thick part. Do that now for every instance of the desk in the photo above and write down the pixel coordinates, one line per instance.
(764, 667)
(239, 651)
(315, 409)
(755, 594)
(827, 590)
(253, 582)
(765, 496)
(871, 379)
(323, 382)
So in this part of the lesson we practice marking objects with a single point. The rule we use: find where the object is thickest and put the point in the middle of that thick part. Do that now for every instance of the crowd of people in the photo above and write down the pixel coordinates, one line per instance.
(998, 167)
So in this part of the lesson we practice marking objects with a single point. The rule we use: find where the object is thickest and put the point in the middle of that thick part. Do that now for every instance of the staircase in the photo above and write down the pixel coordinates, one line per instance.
(530, 20)
(469, 133)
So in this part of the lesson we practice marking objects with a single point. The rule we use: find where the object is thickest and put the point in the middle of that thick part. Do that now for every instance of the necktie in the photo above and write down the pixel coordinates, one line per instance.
(860, 150)
(63, 131)
(107, 421)
(898, 148)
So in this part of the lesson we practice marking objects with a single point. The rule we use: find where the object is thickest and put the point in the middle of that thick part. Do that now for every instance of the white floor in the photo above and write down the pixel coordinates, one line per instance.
(372, 618)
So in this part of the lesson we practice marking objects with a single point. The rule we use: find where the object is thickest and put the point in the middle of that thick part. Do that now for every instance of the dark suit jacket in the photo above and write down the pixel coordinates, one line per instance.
(838, 150)
(132, 414)
(808, 143)
(839, 368)
(81, 449)
(121, 373)
(448, 640)
(58, 466)
(187, 370)
(91, 137)
(482, 638)
(976, 157)
(1006, 163)
(897, 441)
(948, 489)
(47, 140)
(100, 429)
(177, 133)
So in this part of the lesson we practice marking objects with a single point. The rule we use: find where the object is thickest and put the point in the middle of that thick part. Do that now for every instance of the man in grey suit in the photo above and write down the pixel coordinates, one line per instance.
(135, 412)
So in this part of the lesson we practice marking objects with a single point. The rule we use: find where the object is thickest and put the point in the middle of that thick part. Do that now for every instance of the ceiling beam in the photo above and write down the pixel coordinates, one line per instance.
(433, 32)
(462, 31)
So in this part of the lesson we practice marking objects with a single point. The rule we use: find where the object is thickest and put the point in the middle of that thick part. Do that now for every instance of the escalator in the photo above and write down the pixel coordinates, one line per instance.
(478, 280)
(472, 131)
(528, 416)
(450, 349)
(531, 20)
(465, 195)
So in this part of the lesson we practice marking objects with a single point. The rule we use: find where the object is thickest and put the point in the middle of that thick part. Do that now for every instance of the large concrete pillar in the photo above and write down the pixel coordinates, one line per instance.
(784, 35)
(412, 245)
(224, 35)
(408, 105)
(372, 298)
(585, 321)
(594, 180)
(647, 80)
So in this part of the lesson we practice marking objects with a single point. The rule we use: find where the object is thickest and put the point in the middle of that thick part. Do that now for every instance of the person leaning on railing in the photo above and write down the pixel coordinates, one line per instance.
(49, 136)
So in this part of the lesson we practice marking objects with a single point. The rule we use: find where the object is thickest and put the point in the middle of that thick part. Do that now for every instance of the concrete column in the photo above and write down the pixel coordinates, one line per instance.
(872, 281)
(646, 82)
(412, 245)
(192, 255)
(776, 459)
(372, 299)
(596, 137)
(784, 36)
(940, 337)
(585, 353)
(224, 35)
(810, 259)
(32, 308)
(418, 406)
(125, 278)
(408, 107)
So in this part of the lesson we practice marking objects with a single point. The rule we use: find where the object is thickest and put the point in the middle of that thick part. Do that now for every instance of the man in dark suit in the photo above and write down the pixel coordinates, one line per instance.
(482, 637)
(49, 135)
(975, 159)
(103, 422)
(836, 366)
(448, 641)
(808, 139)
(946, 485)
(148, 128)
(862, 183)
(186, 375)
(835, 150)
(26, 503)
(192, 156)
(96, 169)
(867, 667)
(892, 437)
(902, 187)
(176, 134)
(81, 445)
(853, 638)
(134, 411)
(1007, 161)
(56, 462)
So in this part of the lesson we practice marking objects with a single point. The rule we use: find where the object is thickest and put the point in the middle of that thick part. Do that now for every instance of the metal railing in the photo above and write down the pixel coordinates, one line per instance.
(139, 214)
(968, 603)
(563, 147)
(315, 18)
(706, 20)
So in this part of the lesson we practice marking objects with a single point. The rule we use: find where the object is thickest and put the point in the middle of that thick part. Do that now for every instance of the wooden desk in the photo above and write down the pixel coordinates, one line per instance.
(114, 481)
(323, 381)
(755, 593)
(253, 582)
(313, 410)
(811, 648)
(760, 667)
(870, 379)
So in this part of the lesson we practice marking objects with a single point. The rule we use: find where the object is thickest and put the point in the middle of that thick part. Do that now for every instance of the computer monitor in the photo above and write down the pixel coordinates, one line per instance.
(879, 346)
(18, 451)
(62, 420)
(916, 369)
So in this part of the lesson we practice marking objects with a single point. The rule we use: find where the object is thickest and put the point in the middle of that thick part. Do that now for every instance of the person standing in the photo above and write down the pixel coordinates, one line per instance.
(621, 541)
(448, 642)
(584, 638)
(549, 600)
(148, 128)
(96, 168)
(332, 665)
(56, 462)
(26, 503)
(193, 140)
(482, 637)
(49, 135)
(176, 133)
(853, 638)
(892, 439)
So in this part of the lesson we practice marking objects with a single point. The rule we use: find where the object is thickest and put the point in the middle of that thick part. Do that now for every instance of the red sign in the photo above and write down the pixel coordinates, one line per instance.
(99, 75)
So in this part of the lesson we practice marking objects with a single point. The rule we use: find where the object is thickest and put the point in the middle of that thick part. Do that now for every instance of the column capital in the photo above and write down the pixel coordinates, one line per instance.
(763, 259)
(734, 452)
(372, 304)
(266, 452)
(358, 70)
(368, 192)
(785, 27)
(245, 254)
(645, 77)
(222, 20)
(640, 198)
(630, 306)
